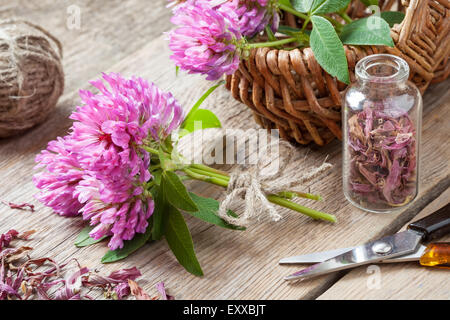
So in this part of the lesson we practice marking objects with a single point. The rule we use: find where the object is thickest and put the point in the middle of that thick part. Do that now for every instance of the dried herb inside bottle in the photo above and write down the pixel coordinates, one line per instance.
(382, 147)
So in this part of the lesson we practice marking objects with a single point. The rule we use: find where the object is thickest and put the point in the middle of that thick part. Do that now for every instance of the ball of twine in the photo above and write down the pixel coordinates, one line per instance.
(31, 75)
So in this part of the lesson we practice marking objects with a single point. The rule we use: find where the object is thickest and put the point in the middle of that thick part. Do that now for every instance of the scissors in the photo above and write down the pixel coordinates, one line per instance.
(401, 247)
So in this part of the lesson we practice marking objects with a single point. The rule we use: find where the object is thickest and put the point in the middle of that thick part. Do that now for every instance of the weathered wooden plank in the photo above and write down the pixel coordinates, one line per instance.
(236, 264)
(108, 30)
(396, 281)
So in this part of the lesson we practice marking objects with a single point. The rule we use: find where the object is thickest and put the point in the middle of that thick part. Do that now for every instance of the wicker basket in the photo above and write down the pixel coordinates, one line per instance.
(289, 91)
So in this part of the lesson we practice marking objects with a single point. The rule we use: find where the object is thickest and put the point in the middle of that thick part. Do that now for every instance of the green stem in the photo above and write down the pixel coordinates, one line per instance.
(200, 101)
(305, 24)
(296, 207)
(309, 196)
(151, 150)
(293, 11)
(345, 17)
(208, 169)
(270, 34)
(210, 174)
(202, 167)
(201, 177)
(222, 180)
(270, 43)
(293, 194)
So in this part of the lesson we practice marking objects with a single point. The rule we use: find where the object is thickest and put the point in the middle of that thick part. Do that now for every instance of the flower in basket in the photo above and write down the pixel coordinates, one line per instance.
(118, 169)
(211, 37)
(207, 41)
(253, 15)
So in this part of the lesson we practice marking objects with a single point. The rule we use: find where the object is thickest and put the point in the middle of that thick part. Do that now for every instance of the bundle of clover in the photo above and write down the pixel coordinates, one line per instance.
(117, 168)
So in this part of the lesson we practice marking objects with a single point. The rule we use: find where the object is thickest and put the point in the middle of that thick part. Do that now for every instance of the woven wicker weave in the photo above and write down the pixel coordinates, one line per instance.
(289, 91)
(423, 40)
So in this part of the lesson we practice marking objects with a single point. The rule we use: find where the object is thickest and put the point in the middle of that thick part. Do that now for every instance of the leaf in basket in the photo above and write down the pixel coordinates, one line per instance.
(302, 5)
(84, 240)
(288, 29)
(327, 6)
(369, 3)
(393, 17)
(285, 2)
(207, 211)
(372, 30)
(180, 241)
(328, 49)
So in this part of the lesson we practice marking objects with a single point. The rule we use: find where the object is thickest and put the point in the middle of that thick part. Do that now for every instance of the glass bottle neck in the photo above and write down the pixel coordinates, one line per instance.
(382, 71)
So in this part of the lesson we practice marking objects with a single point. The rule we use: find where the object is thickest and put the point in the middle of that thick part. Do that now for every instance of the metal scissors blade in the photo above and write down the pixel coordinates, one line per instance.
(399, 244)
(321, 256)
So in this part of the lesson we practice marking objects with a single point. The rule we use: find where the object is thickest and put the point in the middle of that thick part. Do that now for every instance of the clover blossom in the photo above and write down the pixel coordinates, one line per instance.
(101, 169)
(253, 15)
(58, 182)
(207, 40)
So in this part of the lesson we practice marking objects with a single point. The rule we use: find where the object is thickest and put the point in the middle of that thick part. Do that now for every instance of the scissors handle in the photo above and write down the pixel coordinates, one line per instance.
(434, 225)
(436, 255)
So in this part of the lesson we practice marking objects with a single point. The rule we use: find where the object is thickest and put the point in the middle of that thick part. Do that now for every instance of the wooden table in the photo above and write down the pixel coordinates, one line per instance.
(126, 37)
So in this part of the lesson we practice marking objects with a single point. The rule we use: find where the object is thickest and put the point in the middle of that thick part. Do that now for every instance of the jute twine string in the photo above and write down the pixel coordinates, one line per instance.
(31, 75)
(251, 185)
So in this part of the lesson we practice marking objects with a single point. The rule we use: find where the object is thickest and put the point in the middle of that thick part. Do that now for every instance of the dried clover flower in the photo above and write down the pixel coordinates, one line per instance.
(382, 150)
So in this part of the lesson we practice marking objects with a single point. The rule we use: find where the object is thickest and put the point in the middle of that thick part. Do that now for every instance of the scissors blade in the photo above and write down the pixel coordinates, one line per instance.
(321, 256)
(399, 244)
(315, 257)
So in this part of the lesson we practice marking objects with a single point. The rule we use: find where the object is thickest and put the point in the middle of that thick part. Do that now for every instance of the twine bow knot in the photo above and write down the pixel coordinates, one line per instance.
(252, 186)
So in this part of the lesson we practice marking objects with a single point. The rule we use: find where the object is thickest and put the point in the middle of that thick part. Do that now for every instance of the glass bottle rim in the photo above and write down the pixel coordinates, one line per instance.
(398, 72)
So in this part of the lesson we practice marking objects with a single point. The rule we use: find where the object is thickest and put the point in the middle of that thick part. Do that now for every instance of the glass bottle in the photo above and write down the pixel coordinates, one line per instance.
(382, 125)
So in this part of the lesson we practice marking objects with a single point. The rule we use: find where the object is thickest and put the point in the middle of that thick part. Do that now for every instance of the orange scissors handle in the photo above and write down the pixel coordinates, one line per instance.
(436, 255)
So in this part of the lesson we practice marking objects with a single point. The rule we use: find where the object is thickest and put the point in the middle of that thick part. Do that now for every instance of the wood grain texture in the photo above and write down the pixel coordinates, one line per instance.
(125, 36)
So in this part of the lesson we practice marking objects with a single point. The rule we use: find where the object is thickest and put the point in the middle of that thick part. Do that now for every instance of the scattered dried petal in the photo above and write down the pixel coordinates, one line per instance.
(26, 235)
(116, 277)
(138, 292)
(43, 278)
(7, 237)
(21, 206)
(122, 290)
(160, 287)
